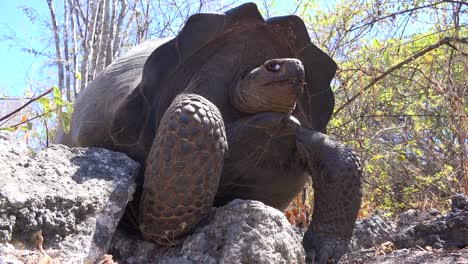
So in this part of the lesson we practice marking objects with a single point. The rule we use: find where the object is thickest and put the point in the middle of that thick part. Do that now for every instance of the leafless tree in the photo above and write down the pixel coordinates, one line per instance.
(58, 49)
(95, 32)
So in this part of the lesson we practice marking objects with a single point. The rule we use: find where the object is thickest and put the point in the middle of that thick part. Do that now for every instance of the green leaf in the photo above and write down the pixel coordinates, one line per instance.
(377, 157)
(66, 123)
(11, 129)
(386, 58)
(70, 109)
(66, 118)
(58, 97)
(45, 102)
(376, 43)
(56, 91)
(448, 168)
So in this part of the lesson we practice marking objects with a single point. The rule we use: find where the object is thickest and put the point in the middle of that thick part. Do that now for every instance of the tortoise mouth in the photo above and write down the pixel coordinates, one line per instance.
(294, 84)
(291, 81)
(276, 96)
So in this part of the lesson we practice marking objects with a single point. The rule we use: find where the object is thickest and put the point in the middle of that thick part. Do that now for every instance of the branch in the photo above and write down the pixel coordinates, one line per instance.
(37, 116)
(444, 41)
(26, 104)
(58, 49)
(14, 99)
(352, 28)
(389, 193)
(297, 7)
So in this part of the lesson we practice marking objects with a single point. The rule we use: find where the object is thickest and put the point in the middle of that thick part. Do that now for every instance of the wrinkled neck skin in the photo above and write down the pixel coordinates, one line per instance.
(275, 86)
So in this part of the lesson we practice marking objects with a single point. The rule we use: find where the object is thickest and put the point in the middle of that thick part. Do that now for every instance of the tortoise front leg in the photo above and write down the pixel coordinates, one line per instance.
(183, 169)
(336, 175)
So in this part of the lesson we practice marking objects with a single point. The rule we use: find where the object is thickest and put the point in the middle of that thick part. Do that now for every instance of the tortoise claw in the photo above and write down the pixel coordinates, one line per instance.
(322, 250)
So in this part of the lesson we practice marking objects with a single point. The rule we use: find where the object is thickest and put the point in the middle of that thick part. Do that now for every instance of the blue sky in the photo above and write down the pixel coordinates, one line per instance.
(15, 64)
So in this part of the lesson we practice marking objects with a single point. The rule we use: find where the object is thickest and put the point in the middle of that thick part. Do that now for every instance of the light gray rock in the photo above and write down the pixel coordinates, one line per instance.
(412, 217)
(76, 197)
(246, 232)
(239, 232)
(370, 232)
(406, 256)
(446, 231)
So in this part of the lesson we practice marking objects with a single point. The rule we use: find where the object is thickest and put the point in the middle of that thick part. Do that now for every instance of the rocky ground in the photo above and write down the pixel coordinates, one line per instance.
(415, 237)
(63, 205)
(239, 232)
(62, 202)
(407, 256)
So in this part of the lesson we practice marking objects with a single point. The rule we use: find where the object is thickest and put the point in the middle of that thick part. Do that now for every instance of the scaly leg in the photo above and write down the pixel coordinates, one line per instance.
(183, 169)
(336, 174)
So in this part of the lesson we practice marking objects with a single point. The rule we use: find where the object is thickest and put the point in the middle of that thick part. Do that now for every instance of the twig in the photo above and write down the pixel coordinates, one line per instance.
(297, 7)
(387, 129)
(26, 104)
(36, 117)
(389, 193)
(352, 28)
(14, 99)
(443, 41)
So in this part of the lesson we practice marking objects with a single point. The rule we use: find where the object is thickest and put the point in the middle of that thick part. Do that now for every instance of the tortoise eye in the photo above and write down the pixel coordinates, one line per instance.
(273, 67)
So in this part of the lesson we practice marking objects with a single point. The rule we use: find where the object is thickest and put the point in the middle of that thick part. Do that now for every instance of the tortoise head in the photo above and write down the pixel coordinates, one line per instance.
(275, 86)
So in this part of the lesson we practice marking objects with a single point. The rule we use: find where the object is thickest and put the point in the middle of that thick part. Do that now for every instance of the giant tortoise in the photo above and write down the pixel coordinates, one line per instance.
(233, 107)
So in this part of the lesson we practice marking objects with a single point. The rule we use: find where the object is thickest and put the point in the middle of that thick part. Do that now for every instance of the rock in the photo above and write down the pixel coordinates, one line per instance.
(74, 197)
(412, 217)
(416, 229)
(69, 201)
(239, 232)
(447, 231)
(406, 256)
(459, 202)
(371, 231)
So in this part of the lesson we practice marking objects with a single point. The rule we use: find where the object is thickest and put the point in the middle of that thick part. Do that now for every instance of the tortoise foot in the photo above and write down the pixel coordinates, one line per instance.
(183, 169)
(336, 176)
(322, 249)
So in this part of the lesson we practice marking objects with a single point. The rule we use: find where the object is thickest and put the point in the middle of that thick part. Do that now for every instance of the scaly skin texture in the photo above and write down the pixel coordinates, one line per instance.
(336, 174)
(183, 169)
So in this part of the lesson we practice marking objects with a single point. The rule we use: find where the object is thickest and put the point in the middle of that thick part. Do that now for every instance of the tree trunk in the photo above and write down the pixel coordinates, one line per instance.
(97, 33)
(103, 37)
(57, 44)
(88, 49)
(112, 33)
(125, 33)
(118, 32)
(75, 52)
(65, 49)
